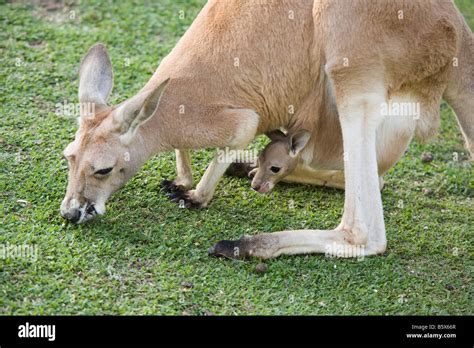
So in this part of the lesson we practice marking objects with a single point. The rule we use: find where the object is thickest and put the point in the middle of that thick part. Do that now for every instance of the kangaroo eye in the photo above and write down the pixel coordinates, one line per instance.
(275, 169)
(104, 171)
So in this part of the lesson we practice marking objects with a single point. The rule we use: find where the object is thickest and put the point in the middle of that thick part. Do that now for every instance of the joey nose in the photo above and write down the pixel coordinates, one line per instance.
(256, 187)
(72, 215)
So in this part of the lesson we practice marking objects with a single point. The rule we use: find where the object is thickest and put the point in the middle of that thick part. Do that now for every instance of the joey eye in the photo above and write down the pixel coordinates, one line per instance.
(275, 169)
(104, 171)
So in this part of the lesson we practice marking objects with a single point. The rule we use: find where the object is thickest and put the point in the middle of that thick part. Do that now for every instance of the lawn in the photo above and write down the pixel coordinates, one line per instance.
(147, 256)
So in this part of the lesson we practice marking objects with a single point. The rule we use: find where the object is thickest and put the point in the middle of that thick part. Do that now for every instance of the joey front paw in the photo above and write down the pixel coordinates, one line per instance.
(240, 170)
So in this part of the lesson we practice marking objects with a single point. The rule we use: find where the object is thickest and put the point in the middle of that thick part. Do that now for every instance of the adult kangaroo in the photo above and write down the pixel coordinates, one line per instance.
(249, 67)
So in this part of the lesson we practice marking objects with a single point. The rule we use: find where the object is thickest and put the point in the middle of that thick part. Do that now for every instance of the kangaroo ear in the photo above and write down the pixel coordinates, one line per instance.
(95, 76)
(276, 135)
(298, 141)
(138, 110)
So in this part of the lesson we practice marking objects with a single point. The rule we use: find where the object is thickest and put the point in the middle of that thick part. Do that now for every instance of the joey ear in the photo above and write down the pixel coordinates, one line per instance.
(95, 76)
(252, 173)
(298, 141)
(276, 135)
(138, 110)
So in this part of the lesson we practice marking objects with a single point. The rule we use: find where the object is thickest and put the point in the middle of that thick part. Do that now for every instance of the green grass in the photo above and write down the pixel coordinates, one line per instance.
(134, 259)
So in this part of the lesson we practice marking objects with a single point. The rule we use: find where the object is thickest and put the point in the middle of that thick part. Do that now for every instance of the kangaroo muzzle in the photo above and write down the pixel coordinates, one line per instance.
(77, 213)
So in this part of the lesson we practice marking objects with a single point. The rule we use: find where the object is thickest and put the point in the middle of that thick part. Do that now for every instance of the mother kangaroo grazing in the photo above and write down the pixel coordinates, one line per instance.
(249, 67)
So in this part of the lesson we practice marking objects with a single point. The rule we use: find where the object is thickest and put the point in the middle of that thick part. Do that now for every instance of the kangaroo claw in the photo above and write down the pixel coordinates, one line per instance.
(169, 186)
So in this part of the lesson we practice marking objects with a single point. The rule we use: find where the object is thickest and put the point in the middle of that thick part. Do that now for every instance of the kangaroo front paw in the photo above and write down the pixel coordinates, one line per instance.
(187, 199)
(169, 186)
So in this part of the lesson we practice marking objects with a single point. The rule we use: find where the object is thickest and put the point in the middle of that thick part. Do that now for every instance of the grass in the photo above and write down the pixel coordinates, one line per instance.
(135, 259)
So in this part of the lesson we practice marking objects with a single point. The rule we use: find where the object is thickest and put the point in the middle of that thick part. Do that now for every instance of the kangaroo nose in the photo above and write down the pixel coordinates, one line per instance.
(256, 187)
(72, 216)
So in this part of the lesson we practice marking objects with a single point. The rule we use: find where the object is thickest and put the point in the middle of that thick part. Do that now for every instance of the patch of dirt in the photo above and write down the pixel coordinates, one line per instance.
(55, 11)
(36, 44)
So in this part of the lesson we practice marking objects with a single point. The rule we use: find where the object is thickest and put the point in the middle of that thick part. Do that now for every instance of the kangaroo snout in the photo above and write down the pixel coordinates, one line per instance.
(73, 215)
(263, 187)
(71, 210)
(77, 213)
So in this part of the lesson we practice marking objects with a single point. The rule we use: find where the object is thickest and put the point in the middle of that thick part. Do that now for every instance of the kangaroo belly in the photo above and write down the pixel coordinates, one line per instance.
(402, 115)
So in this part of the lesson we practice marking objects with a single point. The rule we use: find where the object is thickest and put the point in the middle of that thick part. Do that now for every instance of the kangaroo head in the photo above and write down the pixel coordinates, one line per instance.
(107, 150)
(278, 159)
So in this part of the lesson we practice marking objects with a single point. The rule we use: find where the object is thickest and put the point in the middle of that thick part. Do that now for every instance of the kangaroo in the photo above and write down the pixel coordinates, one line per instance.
(282, 160)
(245, 68)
